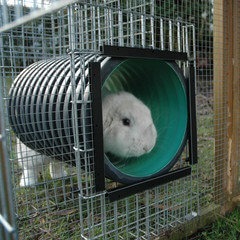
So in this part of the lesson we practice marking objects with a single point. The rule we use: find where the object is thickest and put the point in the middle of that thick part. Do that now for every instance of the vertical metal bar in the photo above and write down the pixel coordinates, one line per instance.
(7, 221)
(194, 52)
(137, 216)
(34, 40)
(120, 25)
(170, 36)
(120, 28)
(161, 34)
(89, 217)
(131, 30)
(81, 214)
(157, 216)
(72, 32)
(43, 40)
(179, 36)
(91, 213)
(53, 34)
(12, 56)
(103, 215)
(198, 193)
(152, 24)
(184, 46)
(5, 12)
(23, 47)
(86, 19)
(60, 32)
(127, 217)
(143, 30)
(147, 214)
(111, 26)
(116, 219)
(183, 39)
(106, 24)
(80, 27)
(18, 11)
(166, 205)
(84, 89)
(74, 97)
(93, 28)
(99, 27)
(187, 42)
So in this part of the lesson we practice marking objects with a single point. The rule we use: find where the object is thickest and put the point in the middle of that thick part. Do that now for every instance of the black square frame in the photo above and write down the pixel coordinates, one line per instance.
(95, 89)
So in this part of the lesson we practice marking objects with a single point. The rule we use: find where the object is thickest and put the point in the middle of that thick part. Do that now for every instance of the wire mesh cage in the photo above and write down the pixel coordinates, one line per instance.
(59, 59)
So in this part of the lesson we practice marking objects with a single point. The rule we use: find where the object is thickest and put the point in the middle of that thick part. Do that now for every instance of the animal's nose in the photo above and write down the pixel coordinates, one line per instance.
(147, 149)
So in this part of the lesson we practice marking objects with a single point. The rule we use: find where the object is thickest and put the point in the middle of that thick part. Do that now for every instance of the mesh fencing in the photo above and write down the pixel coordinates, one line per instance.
(60, 38)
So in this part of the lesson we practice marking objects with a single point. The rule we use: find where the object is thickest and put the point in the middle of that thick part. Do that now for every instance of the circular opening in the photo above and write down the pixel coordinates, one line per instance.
(160, 85)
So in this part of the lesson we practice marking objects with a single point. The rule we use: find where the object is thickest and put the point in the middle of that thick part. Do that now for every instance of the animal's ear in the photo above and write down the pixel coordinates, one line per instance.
(107, 122)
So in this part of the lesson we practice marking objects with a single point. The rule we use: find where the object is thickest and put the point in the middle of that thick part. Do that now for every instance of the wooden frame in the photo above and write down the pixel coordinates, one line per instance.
(226, 101)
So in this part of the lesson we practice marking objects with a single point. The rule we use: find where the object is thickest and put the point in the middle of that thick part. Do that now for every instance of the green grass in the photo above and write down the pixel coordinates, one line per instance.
(225, 228)
(206, 159)
(61, 218)
(50, 211)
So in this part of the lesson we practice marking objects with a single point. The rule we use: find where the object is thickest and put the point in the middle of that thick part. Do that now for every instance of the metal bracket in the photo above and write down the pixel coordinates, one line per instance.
(129, 52)
(192, 126)
(95, 88)
(122, 192)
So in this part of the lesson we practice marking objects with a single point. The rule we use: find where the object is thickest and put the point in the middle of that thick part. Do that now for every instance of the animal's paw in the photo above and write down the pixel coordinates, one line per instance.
(28, 178)
(57, 170)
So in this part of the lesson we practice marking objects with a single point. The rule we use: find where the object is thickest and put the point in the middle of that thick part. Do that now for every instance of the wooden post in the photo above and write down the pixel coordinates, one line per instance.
(226, 100)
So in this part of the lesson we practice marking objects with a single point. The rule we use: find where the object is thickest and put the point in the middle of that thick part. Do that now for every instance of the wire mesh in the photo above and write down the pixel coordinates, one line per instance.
(64, 205)
(7, 215)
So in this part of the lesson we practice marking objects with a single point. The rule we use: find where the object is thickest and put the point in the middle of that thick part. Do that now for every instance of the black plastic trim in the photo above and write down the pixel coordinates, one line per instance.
(125, 191)
(95, 86)
(192, 117)
(129, 52)
(95, 90)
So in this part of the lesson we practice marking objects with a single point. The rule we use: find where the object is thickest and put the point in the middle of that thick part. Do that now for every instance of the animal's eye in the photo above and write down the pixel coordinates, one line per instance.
(126, 121)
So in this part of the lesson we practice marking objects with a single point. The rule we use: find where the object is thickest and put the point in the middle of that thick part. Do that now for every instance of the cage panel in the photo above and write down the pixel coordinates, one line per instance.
(63, 202)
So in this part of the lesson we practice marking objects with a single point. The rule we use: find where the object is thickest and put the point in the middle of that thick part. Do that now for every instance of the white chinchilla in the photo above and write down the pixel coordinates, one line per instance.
(128, 131)
(128, 128)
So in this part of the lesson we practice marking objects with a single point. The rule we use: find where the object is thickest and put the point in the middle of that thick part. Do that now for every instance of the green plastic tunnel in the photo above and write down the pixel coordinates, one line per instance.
(161, 86)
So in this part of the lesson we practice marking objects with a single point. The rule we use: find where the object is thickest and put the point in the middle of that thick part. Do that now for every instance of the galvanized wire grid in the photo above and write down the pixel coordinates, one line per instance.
(68, 207)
